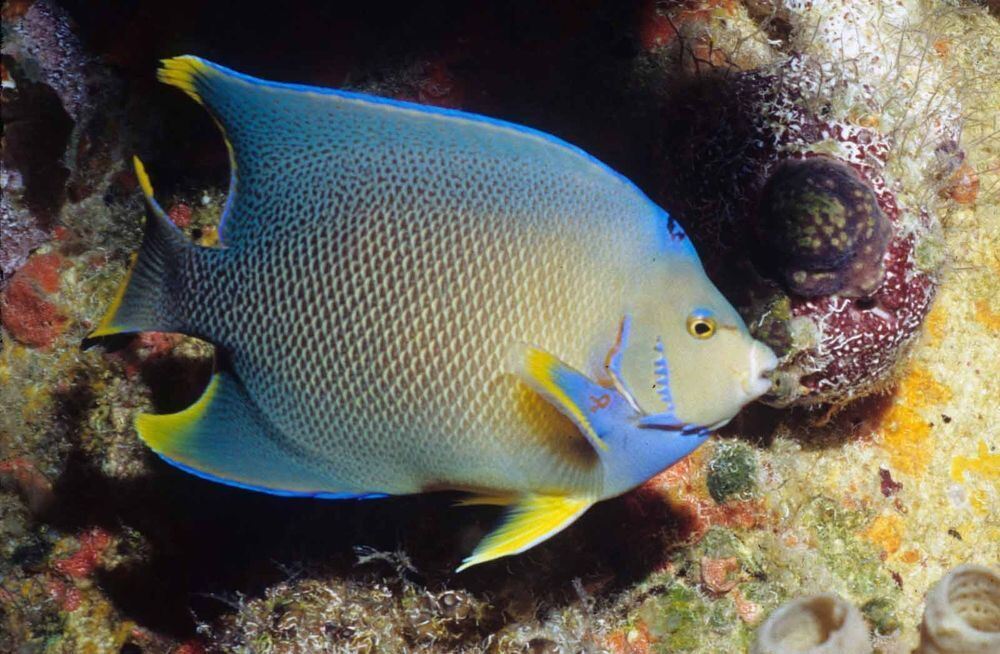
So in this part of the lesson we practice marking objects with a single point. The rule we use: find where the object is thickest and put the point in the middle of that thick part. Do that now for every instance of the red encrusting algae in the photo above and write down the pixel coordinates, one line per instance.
(25, 311)
(93, 544)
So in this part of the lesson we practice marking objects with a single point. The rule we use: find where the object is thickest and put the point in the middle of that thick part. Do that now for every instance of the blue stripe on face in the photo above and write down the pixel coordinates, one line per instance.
(661, 370)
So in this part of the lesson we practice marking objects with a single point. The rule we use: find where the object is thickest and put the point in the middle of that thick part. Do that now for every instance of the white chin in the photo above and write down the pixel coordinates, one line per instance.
(762, 361)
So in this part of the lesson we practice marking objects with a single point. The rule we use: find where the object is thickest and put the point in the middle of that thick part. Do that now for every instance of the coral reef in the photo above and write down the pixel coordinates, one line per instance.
(962, 613)
(103, 548)
(821, 624)
(842, 306)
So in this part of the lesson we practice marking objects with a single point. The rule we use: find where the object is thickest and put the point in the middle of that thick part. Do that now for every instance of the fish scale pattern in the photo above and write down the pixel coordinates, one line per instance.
(381, 262)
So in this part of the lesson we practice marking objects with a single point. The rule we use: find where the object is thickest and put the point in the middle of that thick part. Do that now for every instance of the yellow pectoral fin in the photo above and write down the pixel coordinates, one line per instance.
(531, 520)
(568, 390)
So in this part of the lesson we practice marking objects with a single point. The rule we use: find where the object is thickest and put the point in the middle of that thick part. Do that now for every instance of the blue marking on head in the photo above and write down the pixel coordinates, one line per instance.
(270, 491)
(661, 371)
(701, 312)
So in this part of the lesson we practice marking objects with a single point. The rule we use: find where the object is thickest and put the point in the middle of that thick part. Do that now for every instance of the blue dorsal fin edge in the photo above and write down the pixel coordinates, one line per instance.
(411, 106)
(187, 72)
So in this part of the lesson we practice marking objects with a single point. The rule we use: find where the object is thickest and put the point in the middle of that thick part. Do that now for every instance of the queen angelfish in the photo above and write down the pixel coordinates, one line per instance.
(409, 299)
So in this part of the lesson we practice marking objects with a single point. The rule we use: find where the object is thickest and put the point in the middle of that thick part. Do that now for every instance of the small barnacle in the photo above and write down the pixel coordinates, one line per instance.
(823, 229)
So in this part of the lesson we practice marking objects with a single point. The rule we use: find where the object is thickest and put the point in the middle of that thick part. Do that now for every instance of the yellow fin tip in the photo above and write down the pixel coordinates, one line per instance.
(157, 430)
(180, 72)
(106, 326)
(143, 176)
(534, 519)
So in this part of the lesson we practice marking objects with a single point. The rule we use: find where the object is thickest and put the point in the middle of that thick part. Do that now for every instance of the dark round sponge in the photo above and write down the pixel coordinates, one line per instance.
(823, 228)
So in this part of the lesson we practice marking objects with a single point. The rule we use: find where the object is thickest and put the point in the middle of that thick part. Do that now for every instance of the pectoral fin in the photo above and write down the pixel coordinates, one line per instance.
(594, 409)
(530, 520)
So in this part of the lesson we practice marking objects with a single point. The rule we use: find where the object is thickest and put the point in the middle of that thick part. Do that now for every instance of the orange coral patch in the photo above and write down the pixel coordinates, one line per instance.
(905, 433)
(635, 640)
(886, 531)
(985, 464)
(936, 323)
(749, 612)
(719, 575)
(683, 484)
(986, 316)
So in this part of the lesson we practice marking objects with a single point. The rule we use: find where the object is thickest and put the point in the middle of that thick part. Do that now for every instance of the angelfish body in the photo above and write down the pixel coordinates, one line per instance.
(409, 299)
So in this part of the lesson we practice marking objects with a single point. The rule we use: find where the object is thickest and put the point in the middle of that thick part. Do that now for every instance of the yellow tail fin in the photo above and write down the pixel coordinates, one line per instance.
(531, 520)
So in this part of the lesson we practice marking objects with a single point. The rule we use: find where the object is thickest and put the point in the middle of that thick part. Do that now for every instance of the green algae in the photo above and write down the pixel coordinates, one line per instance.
(680, 616)
(882, 613)
(930, 252)
(732, 471)
(836, 534)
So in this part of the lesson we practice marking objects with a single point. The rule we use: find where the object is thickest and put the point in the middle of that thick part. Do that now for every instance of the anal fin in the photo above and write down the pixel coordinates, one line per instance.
(530, 520)
(224, 437)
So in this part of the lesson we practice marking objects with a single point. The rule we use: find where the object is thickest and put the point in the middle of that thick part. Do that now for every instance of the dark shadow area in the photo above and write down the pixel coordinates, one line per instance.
(757, 424)
(36, 132)
(560, 67)
(202, 543)
(815, 428)
(827, 427)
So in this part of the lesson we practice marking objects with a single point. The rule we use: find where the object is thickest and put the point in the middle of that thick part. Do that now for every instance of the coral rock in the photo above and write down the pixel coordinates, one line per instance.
(180, 215)
(29, 317)
(22, 475)
(719, 575)
(963, 186)
(93, 544)
(839, 309)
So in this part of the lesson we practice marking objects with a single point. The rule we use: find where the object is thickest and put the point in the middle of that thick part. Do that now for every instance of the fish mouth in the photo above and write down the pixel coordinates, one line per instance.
(763, 363)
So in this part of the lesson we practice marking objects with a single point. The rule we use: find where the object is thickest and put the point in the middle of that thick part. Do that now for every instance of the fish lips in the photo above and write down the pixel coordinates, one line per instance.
(763, 363)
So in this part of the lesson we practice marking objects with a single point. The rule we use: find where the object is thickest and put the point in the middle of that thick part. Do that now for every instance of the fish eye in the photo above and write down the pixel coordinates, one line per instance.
(700, 326)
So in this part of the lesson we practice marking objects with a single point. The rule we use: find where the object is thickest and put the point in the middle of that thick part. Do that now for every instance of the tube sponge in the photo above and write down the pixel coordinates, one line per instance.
(962, 614)
(816, 624)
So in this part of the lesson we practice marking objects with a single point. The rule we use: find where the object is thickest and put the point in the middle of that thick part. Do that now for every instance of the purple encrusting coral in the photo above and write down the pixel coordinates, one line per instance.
(838, 303)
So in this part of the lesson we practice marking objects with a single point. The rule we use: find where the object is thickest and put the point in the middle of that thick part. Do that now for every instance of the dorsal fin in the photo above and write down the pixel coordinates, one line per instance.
(292, 146)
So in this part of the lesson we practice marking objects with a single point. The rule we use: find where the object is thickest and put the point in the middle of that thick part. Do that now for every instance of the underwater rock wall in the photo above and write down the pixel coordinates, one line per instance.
(879, 476)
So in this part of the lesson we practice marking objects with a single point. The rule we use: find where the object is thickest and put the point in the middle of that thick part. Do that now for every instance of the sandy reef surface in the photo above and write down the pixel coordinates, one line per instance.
(103, 548)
